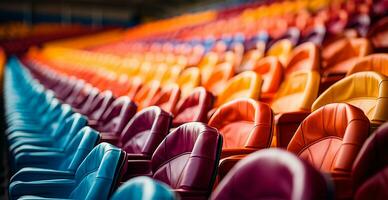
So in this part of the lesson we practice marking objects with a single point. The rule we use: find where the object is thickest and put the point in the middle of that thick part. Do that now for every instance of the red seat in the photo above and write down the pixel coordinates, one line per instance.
(330, 139)
(194, 108)
(167, 98)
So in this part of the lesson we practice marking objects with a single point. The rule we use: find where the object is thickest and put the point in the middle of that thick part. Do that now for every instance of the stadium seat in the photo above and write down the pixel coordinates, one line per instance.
(374, 62)
(303, 57)
(188, 80)
(273, 174)
(330, 139)
(244, 85)
(167, 98)
(370, 165)
(144, 188)
(143, 133)
(199, 148)
(144, 96)
(218, 78)
(365, 90)
(193, 108)
(377, 34)
(97, 106)
(104, 161)
(282, 50)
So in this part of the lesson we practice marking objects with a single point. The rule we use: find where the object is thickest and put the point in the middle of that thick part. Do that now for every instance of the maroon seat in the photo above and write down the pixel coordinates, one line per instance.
(116, 116)
(272, 174)
(78, 87)
(372, 160)
(375, 187)
(86, 97)
(194, 108)
(66, 88)
(186, 160)
(98, 106)
(143, 133)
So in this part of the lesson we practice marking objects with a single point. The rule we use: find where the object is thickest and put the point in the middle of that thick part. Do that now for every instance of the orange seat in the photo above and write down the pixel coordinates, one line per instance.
(281, 49)
(167, 98)
(374, 62)
(219, 77)
(303, 57)
(271, 70)
(246, 84)
(251, 57)
(245, 124)
(188, 80)
(330, 139)
(208, 62)
(365, 90)
(144, 96)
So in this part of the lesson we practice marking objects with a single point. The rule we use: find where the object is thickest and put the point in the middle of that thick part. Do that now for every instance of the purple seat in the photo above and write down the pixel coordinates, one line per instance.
(372, 160)
(116, 116)
(66, 87)
(375, 187)
(100, 103)
(186, 160)
(78, 87)
(194, 108)
(143, 133)
(272, 174)
(85, 98)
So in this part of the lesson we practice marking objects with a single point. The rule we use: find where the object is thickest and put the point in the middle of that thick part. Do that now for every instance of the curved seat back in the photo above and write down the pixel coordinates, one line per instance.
(100, 104)
(374, 62)
(303, 57)
(188, 80)
(281, 49)
(218, 77)
(271, 70)
(167, 98)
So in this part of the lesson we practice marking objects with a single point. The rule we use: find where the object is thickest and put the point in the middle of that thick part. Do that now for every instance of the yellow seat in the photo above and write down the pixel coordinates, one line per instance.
(366, 90)
(188, 80)
(281, 49)
(297, 92)
(243, 85)
(374, 62)
(219, 77)
(208, 62)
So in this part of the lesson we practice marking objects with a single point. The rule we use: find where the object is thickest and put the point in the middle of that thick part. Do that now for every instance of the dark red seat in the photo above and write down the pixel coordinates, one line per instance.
(98, 106)
(375, 187)
(194, 108)
(78, 87)
(371, 165)
(86, 97)
(272, 174)
(186, 160)
(116, 116)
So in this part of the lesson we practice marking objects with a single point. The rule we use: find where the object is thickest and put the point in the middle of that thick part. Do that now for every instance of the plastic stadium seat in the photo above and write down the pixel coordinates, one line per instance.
(244, 85)
(193, 108)
(251, 57)
(40, 165)
(144, 188)
(282, 50)
(144, 96)
(303, 57)
(273, 174)
(190, 167)
(365, 90)
(95, 178)
(218, 77)
(116, 116)
(330, 139)
(374, 62)
(188, 80)
(245, 124)
(143, 133)
(167, 98)
(371, 165)
(208, 62)
(271, 70)
(297, 92)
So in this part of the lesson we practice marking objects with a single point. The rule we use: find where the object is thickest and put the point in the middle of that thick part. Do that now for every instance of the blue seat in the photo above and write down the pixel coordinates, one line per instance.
(54, 164)
(144, 188)
(95, 178)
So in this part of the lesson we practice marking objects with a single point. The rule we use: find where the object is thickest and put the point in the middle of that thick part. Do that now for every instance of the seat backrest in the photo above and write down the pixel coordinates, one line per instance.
(145, 131)
(67, 129)
(100, 104)
(374, 62)
(144, 188)
(244, 123)
(297, 92)
(244, 85)
(144, 96)
(188, 80)
(281, 49)
(98, 172)
(167, 98)
(331, 137)
(272, 174)
(79, 85)
(303, 57)
(365, 90)
(85, 106)
(80, 145)
(378, 33)
(188, 157)
(117, 115)
(374, 187)
(218, 77)
(372, 157)
(271, 70)
(194, 107)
